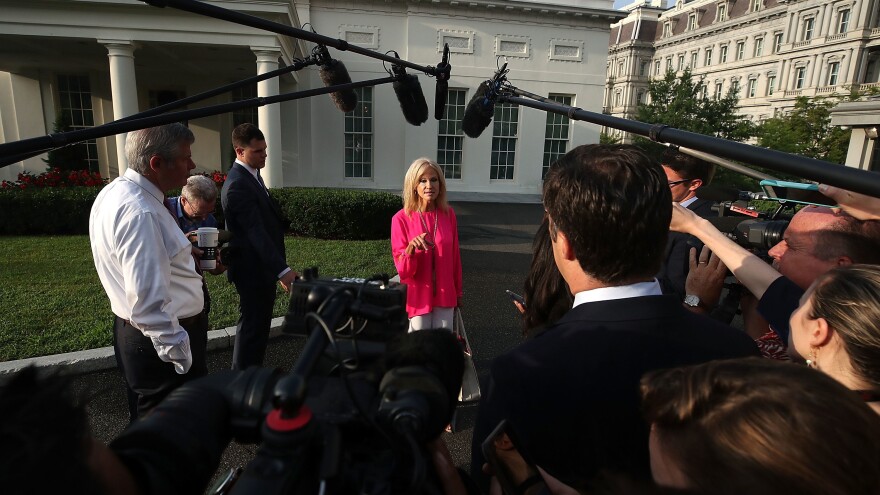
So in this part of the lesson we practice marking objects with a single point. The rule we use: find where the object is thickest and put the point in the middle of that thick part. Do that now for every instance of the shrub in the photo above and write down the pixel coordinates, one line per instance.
(46, 210)
(338, 213)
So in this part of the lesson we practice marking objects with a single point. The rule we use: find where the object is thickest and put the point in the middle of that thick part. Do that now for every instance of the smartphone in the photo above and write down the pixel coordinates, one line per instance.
(496, 459)
(516, 297)
(796, 192)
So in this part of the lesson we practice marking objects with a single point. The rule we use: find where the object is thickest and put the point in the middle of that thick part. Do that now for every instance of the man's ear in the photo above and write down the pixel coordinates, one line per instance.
(565, 247)
(155, 163)
(844, 261)
(695, 184)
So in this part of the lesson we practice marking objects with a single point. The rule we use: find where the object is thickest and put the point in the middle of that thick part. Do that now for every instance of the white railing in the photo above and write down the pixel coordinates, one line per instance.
(798, 44)
(834, 37)
(793, 92)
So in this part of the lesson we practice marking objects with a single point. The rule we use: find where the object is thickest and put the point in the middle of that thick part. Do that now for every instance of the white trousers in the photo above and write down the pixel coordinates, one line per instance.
(438, 318)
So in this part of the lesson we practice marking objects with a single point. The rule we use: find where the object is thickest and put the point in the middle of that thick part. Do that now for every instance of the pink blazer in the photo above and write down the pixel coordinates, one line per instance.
(433, 277)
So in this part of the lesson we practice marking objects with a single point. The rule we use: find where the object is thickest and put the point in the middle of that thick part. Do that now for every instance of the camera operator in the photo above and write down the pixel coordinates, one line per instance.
(816, 240)
(570, 396)
(684, 174)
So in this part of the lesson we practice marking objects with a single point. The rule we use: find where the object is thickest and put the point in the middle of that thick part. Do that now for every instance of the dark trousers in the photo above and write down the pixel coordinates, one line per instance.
(255, 318)
(148, 379)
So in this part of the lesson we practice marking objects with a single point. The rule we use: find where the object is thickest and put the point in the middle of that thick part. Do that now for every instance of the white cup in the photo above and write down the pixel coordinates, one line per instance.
(207, 240)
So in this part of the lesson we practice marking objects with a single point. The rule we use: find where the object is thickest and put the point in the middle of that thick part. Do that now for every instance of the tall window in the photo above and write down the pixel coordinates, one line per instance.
(718, 93)
(771, 85)
(692, 22)
(708, 56)
(680, 62)
(808, 29)
(668, 64)
(667, 30)
(721, 13)
(450, 137)
(800, 75)
(740, 50)
(620, 72)
(777, 42)
(756, 5)
(723, 54)
(555, 134)
(734, 86)
(843, 21)
(694, 60)
(833, 71)
(359, 137)
(704, 90)
(753, 88)
(759, 47)
(75, 99)
(504, 133)
(644, 67)
(656, 67)
(244, 115)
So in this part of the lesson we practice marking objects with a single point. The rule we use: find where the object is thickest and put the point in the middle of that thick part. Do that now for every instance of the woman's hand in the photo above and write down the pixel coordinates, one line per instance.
(418, 243)
(683, 219)
(860, 206)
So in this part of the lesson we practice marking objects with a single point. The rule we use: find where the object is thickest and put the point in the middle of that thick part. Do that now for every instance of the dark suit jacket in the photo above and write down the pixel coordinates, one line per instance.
(674, 270)
(257, 225)
(571, 395)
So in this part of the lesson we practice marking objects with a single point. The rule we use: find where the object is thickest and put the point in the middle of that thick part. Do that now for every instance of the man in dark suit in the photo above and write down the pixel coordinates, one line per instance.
(685, 174)
(571, 395)
(256, 256)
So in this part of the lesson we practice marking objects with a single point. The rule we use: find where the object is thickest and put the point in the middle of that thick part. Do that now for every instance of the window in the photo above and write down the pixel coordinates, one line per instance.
(244, 115)
(668, 64)
(643, 68)
(734, 86)
(692, 22)
(667, 30)
(617, 98)
(721, 13)
(777, 42)
(450, 137)
(75, 106)
(693, 60)
(800, 75)
(753, 88)
(704, 90)
(708, 56)
(656, 67)
(808, 29)
(359, 137)
(756, 5)
(504, 132)
(723, 56)
(620, 72)
(680, 62)
(759, 47)
(555, 134)
(740, 50)
(833, 71)
(718, 88)
(771, 84)
(843, 21)
(641, 98)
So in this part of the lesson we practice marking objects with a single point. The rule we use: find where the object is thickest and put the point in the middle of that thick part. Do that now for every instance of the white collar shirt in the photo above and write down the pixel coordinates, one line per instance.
(688, 202)
(639, 289)
(145, 264)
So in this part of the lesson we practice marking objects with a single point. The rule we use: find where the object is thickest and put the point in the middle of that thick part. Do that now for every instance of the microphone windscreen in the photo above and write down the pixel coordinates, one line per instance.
(440, 94)
(477, 114)
(437, 350)
(335, 73)
(718, 193)
(412, 99)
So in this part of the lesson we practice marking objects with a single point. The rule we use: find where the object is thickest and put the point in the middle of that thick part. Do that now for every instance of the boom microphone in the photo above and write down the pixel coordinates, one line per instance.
(481, 108)
(440, 92)
(725, 193)
(409, 94)
(332, 73)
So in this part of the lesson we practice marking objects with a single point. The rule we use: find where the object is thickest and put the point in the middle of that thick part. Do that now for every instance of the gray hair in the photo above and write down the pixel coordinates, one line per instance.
(143, 144)
(199, 188)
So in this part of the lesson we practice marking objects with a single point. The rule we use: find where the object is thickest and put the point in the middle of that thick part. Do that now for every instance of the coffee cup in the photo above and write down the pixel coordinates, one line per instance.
(207, 241)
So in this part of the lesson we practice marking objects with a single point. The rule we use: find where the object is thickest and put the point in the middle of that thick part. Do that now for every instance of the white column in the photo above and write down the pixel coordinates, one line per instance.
(123, 88)
(269, 116)
(844, 70)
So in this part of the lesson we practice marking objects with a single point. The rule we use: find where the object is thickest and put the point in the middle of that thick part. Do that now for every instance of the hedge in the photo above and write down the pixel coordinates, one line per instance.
(311, 212)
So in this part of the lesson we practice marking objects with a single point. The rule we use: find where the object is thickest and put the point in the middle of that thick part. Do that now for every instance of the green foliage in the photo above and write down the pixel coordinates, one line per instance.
(66, 158)
(338, 213)
(605, 138)
(53, 301)
(40, 211)
(678, 102)
(807, 130)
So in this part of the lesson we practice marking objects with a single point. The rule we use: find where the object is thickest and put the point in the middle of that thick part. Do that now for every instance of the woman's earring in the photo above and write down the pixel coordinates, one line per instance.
(813, 362)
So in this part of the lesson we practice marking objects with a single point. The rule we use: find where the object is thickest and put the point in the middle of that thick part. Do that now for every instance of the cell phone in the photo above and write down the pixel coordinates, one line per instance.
(796, 192)
(496, 459)
(516, 297)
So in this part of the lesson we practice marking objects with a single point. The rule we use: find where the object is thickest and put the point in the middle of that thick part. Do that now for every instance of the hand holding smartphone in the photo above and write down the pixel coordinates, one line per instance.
(516, 297)
(509, 468)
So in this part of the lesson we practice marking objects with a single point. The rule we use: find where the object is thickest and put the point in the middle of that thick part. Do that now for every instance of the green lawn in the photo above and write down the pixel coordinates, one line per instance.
(51, 300)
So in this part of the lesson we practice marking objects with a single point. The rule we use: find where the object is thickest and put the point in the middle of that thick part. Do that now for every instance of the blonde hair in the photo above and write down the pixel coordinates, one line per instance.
(411, 181)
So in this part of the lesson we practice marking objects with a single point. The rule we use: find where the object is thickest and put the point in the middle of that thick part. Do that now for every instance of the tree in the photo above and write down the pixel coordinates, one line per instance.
(807, 130)
(70, 157)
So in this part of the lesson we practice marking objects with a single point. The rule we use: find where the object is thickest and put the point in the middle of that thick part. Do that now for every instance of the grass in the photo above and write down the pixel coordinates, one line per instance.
(51, 300)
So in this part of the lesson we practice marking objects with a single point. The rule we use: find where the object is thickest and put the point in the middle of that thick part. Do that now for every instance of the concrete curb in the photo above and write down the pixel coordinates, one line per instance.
(80, 362)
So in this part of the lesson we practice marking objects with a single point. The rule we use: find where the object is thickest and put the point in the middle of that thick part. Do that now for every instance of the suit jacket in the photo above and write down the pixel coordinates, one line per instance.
(256, 250)
(674, 270)
(571, 395)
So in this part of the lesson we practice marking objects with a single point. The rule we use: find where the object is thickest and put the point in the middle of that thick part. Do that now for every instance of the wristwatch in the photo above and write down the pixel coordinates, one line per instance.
(693, 301)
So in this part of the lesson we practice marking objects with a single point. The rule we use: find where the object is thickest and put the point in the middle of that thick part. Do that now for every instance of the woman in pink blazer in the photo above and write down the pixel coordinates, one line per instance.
(424, 243)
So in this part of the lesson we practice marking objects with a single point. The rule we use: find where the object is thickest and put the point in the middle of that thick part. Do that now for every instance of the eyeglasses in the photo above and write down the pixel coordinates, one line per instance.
(677, 182)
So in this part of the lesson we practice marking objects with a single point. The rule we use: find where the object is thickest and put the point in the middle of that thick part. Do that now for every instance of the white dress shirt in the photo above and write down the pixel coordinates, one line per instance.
(639, 289)
(145, 264)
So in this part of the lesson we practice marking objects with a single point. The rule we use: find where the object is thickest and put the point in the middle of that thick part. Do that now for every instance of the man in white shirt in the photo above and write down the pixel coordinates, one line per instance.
(146, 266)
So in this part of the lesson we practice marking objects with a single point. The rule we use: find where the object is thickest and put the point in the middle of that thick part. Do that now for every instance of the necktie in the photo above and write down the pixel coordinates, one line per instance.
(260, 180)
